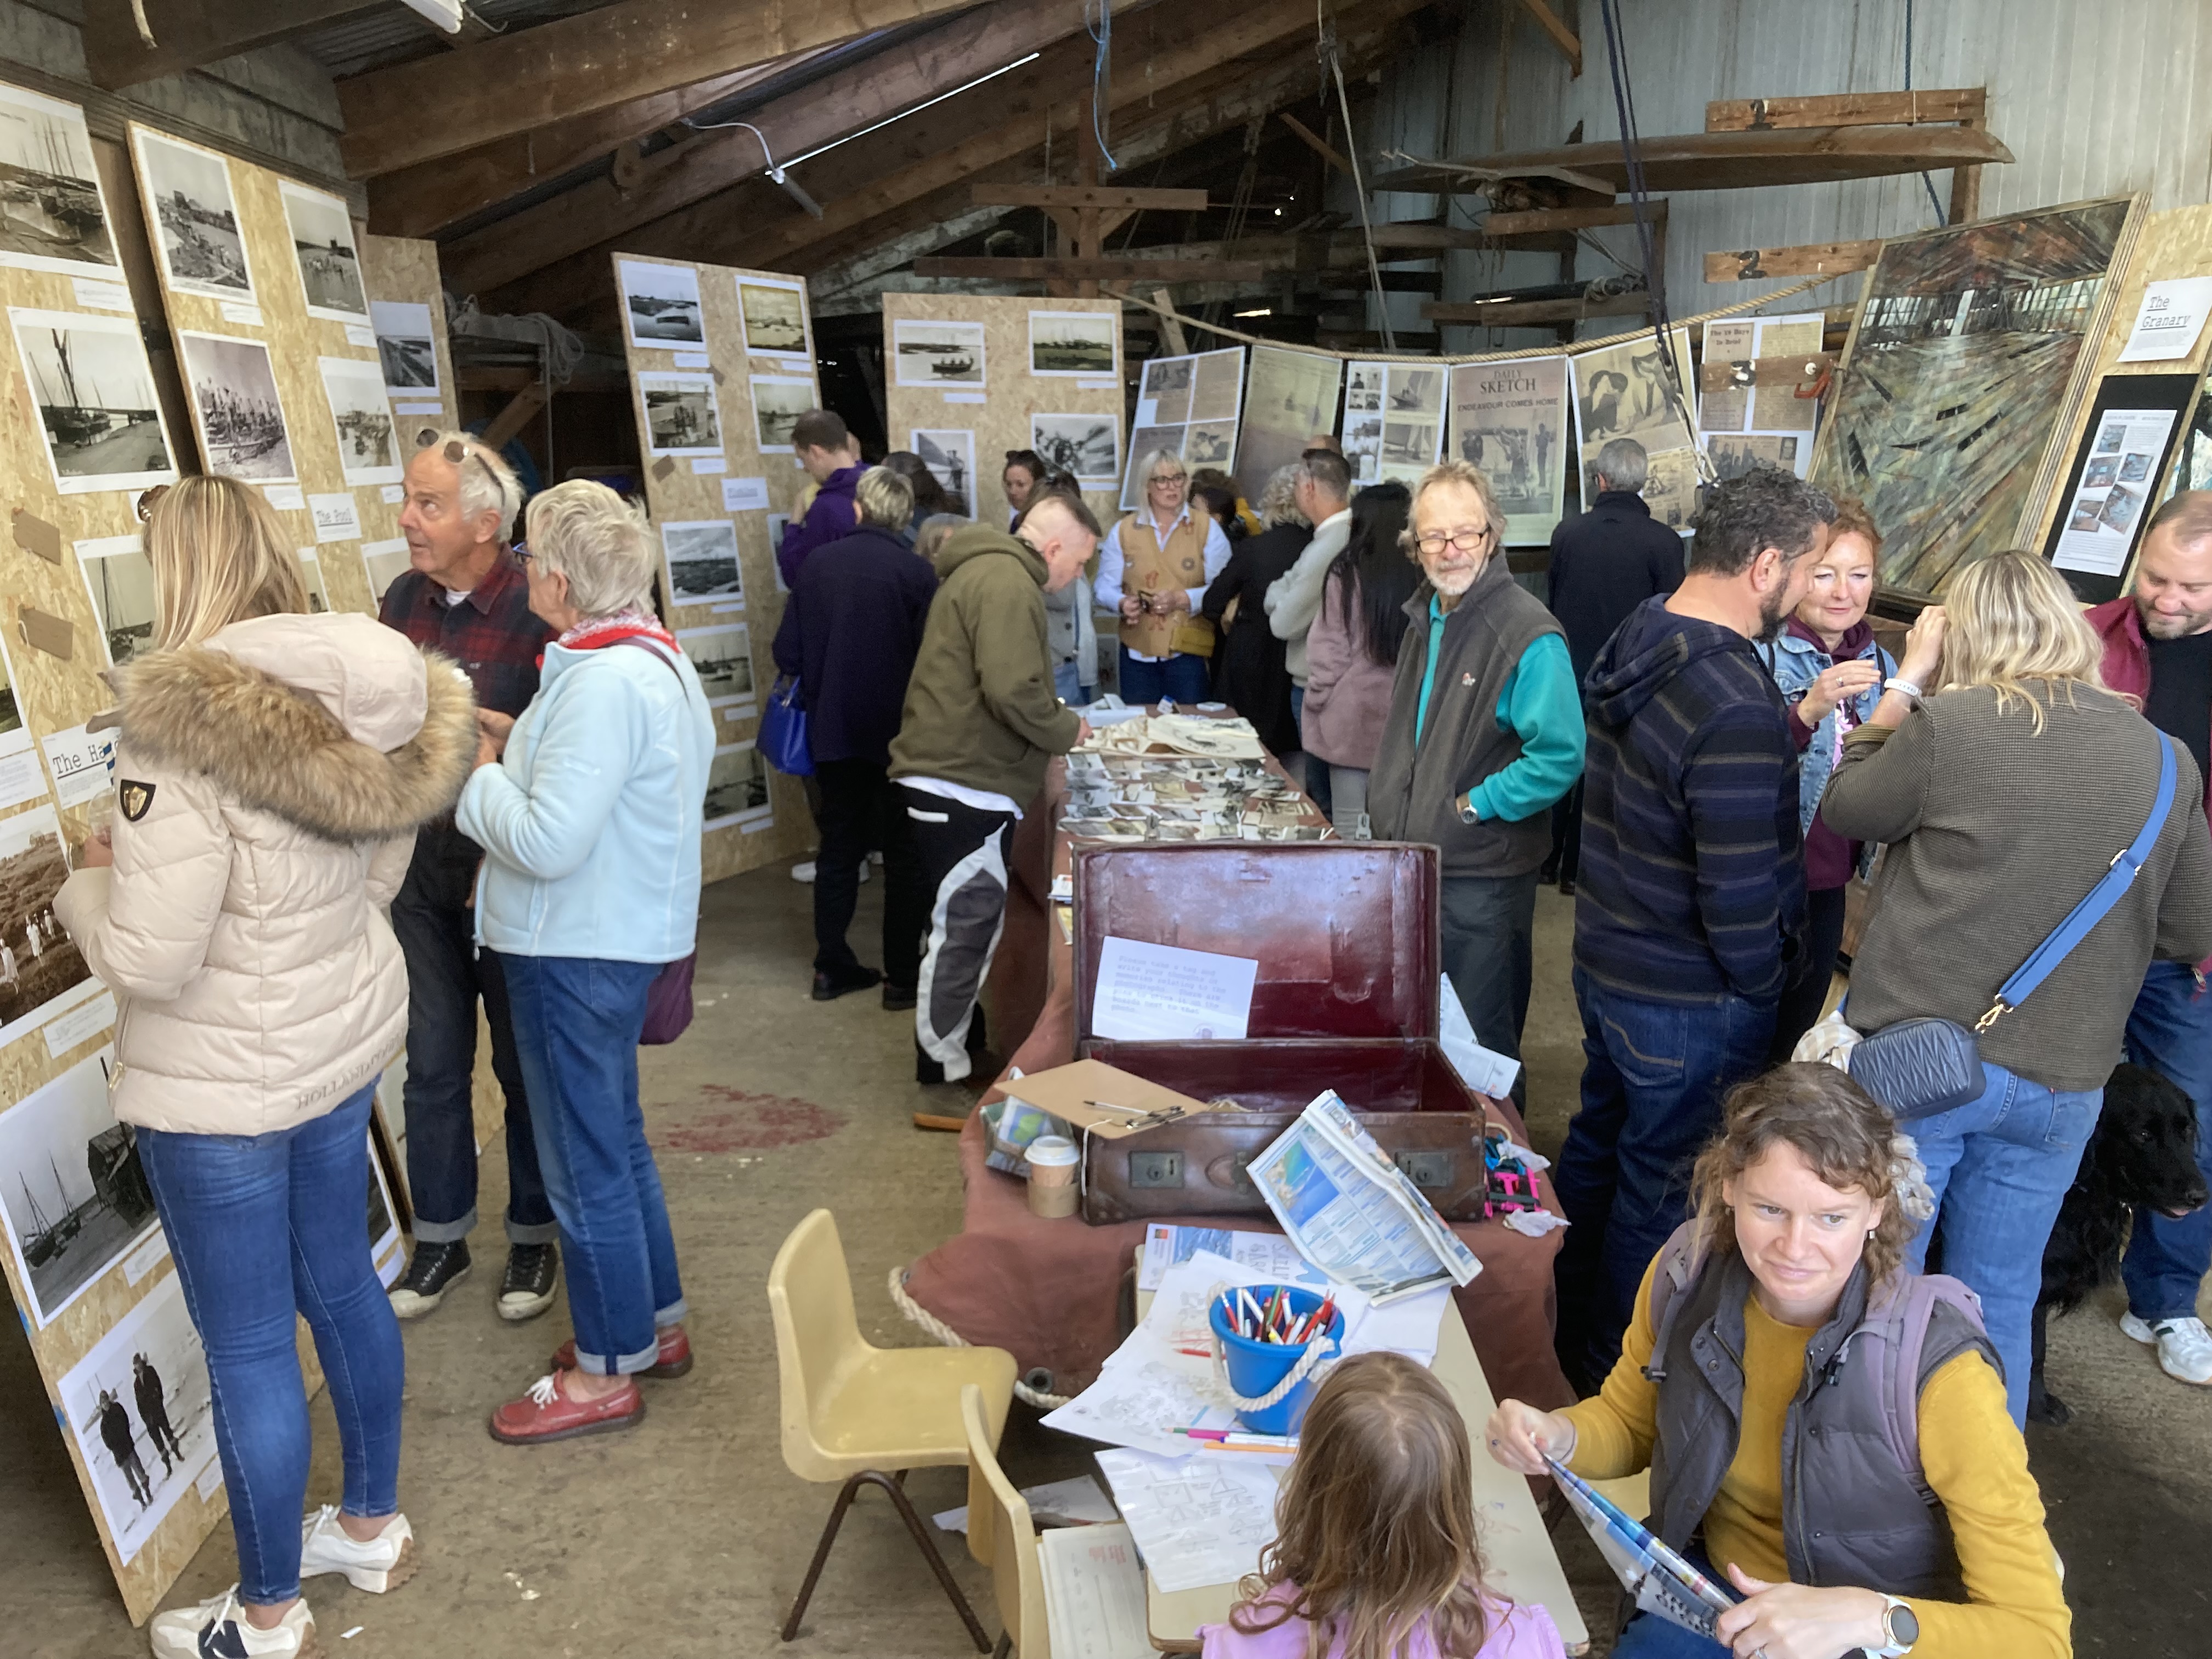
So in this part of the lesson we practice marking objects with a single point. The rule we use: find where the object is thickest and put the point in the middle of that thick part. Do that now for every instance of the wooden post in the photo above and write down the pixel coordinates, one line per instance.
(1966, 187)
(1171, 330)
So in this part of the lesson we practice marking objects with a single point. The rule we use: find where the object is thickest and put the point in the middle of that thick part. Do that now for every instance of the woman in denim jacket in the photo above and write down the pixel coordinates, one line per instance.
(1831, 673)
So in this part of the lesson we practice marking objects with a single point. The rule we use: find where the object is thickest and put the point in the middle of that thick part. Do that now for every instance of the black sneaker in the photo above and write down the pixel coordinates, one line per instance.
(898, 998)
(434, 1270)
(828, 987)
(534, 1275)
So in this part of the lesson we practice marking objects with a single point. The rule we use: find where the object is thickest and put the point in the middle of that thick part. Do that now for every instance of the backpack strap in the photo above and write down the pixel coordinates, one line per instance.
(1679, 1259)
(1901, 1327)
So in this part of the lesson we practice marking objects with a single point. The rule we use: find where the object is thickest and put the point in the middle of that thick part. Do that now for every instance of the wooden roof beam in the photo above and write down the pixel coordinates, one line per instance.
(1523, 313)
(1568, 43)
(190, 32)
(1807, 259)
(1723, 161)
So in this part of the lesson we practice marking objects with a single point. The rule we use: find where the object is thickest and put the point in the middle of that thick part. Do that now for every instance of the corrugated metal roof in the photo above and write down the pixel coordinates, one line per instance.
(393, 33)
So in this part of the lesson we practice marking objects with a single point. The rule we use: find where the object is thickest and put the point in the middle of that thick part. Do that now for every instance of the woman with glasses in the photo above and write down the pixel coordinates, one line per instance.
(1154, 569)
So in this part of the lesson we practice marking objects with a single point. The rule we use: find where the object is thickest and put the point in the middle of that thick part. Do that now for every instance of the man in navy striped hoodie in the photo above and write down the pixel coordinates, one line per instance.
(1692, 895)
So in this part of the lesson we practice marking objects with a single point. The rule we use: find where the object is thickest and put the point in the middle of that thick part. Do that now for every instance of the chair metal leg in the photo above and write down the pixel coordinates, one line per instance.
(1006, 1645)
(846, 1494)
(894, 1487)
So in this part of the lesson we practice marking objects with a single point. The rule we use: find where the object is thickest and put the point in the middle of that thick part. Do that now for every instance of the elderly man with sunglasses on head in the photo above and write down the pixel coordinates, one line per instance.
(465, 595)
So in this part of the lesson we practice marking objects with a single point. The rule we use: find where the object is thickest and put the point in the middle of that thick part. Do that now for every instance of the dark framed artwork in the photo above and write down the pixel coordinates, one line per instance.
(2115, 479)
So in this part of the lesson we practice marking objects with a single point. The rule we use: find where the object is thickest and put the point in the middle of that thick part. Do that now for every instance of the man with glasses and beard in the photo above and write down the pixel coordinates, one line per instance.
(1692, 904)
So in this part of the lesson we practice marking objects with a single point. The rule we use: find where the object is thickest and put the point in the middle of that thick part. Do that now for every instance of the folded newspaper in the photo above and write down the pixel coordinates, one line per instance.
(1352, 1212)
(1658, 1579)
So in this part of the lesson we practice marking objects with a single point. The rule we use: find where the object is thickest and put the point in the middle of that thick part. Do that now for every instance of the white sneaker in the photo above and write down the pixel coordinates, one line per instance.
(803, 872)
(219, 1626)
(864, 871)
(384, 1562)
(2184, 1347)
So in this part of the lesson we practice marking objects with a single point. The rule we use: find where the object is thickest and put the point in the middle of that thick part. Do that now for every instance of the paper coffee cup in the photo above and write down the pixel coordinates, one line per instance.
(1053, 1163)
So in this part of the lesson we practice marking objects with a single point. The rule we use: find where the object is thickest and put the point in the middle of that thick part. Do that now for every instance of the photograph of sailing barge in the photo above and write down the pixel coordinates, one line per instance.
(52, 217)
(71, 1186)
(89, 377)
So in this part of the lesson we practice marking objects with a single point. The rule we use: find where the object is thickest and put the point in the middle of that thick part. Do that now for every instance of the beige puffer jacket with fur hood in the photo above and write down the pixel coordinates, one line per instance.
(268, 785)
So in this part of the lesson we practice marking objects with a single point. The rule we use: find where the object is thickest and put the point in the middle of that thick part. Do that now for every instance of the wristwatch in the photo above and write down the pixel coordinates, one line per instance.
(1900, 1629)
(1467, 812)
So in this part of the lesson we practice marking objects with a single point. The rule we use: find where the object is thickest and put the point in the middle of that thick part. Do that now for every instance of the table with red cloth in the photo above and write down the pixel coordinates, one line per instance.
(1049, 1292)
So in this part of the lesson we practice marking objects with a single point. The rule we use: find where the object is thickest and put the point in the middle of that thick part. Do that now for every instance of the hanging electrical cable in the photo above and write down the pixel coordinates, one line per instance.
(1102, 60)
(1335, 67)
(1933, 200)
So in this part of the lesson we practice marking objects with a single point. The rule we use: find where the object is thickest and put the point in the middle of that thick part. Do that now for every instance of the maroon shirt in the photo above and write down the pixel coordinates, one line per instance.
(1830, 860)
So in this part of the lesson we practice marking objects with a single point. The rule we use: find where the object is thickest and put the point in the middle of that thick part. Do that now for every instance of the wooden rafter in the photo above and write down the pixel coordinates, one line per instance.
(1089, 270)
(1315, 141)
(1523, 313)
(190, 32)
(1538, 220)
(1848, 109)
(1807, 259)
(1568, 43)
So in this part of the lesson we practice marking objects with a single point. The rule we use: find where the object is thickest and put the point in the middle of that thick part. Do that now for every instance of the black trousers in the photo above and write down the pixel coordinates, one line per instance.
(860, 810)
(961, 854)
(1567, 833)
(1799, 1011)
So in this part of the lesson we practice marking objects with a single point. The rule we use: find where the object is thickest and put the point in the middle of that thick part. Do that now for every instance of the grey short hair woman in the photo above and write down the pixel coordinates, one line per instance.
(1154, 571)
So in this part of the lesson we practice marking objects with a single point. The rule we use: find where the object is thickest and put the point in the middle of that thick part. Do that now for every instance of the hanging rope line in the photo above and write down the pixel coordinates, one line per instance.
(1359, 184)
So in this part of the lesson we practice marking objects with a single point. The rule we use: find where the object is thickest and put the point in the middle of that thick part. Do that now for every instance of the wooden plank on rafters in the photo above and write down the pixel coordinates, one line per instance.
(1101, 270)
(189, 32)
(1088, 196)
(1723, 161)
(1848, 109)
(1807, 259)
(1564, 38)
(1315, 141)
(1522, 313)
(1535, 220)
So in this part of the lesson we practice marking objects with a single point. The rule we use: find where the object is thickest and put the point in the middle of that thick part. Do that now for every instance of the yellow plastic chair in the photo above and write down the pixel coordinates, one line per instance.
(1001, 1536)
(851, 1410)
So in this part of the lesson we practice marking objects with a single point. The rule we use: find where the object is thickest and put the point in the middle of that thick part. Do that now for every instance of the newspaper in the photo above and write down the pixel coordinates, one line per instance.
(1659, 1580)
(1352, 1212)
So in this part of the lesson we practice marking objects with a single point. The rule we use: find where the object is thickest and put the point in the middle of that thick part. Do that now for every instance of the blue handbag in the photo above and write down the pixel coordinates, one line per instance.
(783, 730)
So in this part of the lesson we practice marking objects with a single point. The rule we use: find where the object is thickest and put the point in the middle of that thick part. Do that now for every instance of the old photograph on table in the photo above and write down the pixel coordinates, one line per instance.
(98, 411)
(950, 455)
(937, 354)
(703, 567)
(723, 657)
(42, 972)
(120, 579)
(778, 402)
(1087, 446)
(386, 563)
(1625, 391)
(1072, 343)
(1509, 418)
(72, 1192)
(774, 315)
(322, 243)
(661, 303)
(139, 1408)
(198, 242)
(737, 789)
(53, 214)
(235, 407)
(368, 451)
(406, 348)
(681, 414)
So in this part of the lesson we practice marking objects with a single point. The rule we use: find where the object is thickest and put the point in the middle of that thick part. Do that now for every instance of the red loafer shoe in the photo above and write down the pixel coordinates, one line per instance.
(547, 1413)
(675, 1356)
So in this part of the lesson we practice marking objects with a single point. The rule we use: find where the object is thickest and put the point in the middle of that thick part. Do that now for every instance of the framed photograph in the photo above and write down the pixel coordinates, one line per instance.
(1088, 446)
(406, 348)
(702, 563)
(53, 214)
(778, 402)
(322, 243)
(368, 451)
(197, 239)
(387, 562)
(950, 458)
(1066, 343)
(937, 353)
(311, 572)
(774, 318)
(724, 658)
(97, 407)
(235, 407)
(120, 579)
(737, 789)
(682, 417)
(661, 303)
(72, 1192)
(40, 969)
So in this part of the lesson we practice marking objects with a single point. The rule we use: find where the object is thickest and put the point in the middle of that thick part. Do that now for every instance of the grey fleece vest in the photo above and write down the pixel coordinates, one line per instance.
(1414, 790)
(1855, 1509)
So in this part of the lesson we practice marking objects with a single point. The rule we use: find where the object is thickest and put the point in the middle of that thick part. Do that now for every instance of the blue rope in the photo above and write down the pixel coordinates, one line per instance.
(1103, 37)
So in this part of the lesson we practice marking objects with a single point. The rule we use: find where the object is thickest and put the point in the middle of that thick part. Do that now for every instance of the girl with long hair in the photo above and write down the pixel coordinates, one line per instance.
(1351, 650)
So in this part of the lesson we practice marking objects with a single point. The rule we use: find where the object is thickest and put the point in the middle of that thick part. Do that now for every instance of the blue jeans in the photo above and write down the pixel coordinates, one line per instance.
(1651, 1637)
(1999, 1167)
(2171, 1032)
(1185, 676)
(576, 1025)
(262, 1227)
(1068, 685)
(1653, 1077)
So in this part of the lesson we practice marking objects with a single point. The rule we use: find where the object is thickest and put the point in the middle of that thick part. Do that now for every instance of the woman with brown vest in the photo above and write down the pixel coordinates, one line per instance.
(1154, 570)
(1824, 1423)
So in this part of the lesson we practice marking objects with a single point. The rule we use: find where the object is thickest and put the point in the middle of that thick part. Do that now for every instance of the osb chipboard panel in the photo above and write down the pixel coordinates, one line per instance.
(1010, 393)
(402, 268)
(687, 489)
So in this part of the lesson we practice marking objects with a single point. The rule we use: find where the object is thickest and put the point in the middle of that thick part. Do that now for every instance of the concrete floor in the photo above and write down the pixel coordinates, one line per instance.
(688, 1537)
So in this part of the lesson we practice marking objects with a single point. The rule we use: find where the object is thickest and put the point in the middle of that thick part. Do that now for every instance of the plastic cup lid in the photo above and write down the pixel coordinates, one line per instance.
(1054, 1150)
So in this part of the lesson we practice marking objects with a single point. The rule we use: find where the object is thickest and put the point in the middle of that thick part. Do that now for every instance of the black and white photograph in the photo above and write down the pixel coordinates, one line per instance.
(97, 406)
(774, 318)
(737, 789)
(724, 658)
(1363, 387)
(1088, 446)
(778, 402)
(702, 562)
(1216, 384)
(72, 1192)
(40, 970)
(387, 562)
(141, 1410)
(405, 347)
(1070, 342)
(950, 458)
(235, 407)
(2110, 439)
(1625, 391)
(662, 304)
(1735, 455)
(20, 777)
(1146, 441)
(937, 354)
(120, 579)
(368, 451)
(1209, 443)
(1164, 397)
(200, 245)
(322, 243)
(311, 572)
(682, 417)
(53, 214)
(1509, 418)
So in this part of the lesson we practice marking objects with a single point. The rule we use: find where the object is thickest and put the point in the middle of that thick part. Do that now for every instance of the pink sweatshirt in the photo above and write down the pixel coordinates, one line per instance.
(1515, 1632)
(1348, 692)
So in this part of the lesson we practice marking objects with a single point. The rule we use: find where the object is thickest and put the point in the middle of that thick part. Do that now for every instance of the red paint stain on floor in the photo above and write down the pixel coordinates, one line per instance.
(753, 1121)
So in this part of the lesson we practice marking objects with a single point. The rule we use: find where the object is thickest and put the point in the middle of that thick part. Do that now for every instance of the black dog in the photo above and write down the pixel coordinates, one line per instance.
(2143, 1153)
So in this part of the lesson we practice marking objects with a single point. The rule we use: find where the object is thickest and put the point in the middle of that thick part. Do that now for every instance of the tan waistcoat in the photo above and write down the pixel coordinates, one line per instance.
(1147, 567)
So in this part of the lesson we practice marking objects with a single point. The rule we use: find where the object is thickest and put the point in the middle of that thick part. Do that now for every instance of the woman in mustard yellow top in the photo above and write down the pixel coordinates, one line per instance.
(1779, 1355)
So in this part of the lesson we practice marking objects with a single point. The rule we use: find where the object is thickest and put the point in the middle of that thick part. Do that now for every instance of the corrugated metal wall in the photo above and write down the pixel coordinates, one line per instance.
(2093, 98)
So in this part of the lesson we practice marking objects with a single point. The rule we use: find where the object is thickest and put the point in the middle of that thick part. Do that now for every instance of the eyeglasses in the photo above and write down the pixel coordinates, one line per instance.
(1466, 541)
(1168, 478)
(459, 454)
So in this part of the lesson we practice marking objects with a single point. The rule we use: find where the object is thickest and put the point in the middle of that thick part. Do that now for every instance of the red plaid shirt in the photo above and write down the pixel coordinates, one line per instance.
(491, 633)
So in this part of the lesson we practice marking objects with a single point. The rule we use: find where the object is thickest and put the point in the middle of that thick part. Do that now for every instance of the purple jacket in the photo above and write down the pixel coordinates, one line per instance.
(1516, 1631)
(1348, 692)
(830, 517)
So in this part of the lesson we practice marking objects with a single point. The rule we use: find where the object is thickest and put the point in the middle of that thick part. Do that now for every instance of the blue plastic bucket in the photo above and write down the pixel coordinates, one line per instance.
(1254, 1368)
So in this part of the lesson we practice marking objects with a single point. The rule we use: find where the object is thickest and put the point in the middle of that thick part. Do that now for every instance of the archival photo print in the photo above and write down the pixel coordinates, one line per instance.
(1070, 342)
(72, 1193)
(1088, 446)
(1509, 418)
(682, 417)
(20, 780)
(724, 660)
(120, 579)
(1624, 392)
(1147, 441)
(1164, 399)
(311, 572)
(40, 970)
(1292, 395)
(774, 318)
(702, 562)
(98, 411)
(139, 1408)
(950, 458)
(1217, 386)
(737, 789)
(1209, 443)
(937, 354)
(201, 248)
(385, 563)
(322, 242)
(235, 407)
(369, 453)
(778, 402)
(662, 304)
(53, 214)
(1732, 457)
(405, 347)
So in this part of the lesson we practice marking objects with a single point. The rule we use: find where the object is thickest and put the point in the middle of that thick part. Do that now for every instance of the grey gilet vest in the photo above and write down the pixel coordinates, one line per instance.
(1856, 1508)
(1413, 792)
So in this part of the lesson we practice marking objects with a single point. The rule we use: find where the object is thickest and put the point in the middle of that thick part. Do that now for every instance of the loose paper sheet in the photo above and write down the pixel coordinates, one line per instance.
(2170, 318)
(1163, 993)
(1270, 1254)
(1094, 1594)
(1198, 1520)
(1483, 1070)
(1076, 1503)
(1145, 1392)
